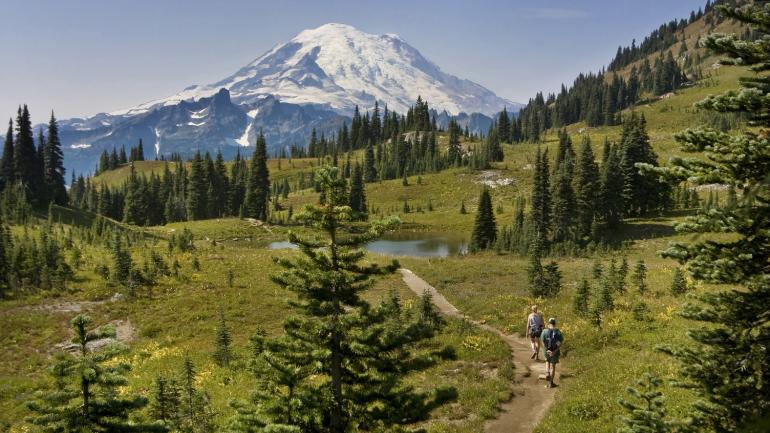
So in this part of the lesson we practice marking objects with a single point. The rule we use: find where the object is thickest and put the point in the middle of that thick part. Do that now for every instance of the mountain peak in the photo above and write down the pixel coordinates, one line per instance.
(339, 66)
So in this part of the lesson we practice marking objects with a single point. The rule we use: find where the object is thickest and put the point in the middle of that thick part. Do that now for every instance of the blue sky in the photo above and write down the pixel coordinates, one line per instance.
(80, 57)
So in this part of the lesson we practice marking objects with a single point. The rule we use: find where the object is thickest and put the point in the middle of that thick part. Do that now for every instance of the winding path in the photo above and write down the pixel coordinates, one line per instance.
(531, 399)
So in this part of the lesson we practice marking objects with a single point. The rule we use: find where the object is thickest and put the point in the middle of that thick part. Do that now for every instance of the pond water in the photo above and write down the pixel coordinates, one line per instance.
(414, 244)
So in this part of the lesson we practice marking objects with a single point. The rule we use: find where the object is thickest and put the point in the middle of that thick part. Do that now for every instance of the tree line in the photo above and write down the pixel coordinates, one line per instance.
(38, 169)
(206, 190)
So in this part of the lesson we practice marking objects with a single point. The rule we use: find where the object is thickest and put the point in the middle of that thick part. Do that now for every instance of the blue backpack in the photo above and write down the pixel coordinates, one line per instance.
(550, 338)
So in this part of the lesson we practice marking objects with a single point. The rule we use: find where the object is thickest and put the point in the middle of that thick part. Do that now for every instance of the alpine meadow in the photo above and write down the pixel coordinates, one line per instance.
(341, 236)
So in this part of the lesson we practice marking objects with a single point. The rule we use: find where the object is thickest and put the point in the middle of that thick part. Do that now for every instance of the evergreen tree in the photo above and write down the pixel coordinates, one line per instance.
(357, 196)
(678, 283)
(7, 166)
(53, 165)
(541, 198)
(359, 353)
(563, 202)
(454, 155)
(580, 302)
(122, 265)
(166, 402)
(135, 207)
(726, 363)
(647, 411)
(604, 301)
(640, 276)
(484, 228)
(504, 126)
(370, 171)
(86, 396)
(25, 158)
(258, 186)
(223, 355)
(586, 190)
(197, 190)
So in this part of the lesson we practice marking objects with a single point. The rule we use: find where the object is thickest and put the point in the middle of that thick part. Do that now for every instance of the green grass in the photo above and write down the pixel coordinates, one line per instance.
(180, 316)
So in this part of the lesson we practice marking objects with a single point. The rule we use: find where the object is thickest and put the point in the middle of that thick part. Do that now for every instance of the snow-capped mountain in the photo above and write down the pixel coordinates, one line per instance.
(312, 81)
(340, 66)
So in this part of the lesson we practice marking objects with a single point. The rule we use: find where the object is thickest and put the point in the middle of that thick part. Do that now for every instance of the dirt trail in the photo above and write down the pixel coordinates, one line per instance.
(531, 398)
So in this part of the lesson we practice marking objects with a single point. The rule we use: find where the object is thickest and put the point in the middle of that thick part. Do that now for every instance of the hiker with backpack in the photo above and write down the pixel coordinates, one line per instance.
(534, 329)
(552, 341)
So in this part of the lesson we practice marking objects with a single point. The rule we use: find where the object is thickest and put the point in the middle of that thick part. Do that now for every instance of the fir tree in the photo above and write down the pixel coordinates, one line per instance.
(678, 283)
(541, 198)
(197, 190)
(357, 196)
(258, 186)
(640, 276)
(454, 155)
(53, 165)
(580, 302)
(359, 353)
(223, 355)
(370, 171)
(25, 158)
(122, 265)
(484, 228)
(646, 411)
(166, 403)
(725, 363)
(7, 166)
(586, 190)
(86, 396)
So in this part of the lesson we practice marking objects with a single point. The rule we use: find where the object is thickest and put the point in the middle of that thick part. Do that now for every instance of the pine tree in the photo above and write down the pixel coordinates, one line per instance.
(197, 190)
(640, 276)
(726, 363)
(563, 201)
(122, 265)
(604, 301)
(370, 171)
(86, 396)
(7, 166)
(678, 283)
(504, 126)
(196, 413)
(25, 159)
(454, 155)
(53, 165)
(166, 403)
(258, 186)
(536, 275)
(359, 353)
(484, 228)
(134, 207)
(223, 355)
(611, 199)
(357, 196)
(586, 190)
(580, 302)
(647, 410)
(541, 198)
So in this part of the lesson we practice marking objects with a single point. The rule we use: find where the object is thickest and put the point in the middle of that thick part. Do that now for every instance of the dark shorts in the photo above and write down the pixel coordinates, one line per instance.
(554, 358)
(535, 333)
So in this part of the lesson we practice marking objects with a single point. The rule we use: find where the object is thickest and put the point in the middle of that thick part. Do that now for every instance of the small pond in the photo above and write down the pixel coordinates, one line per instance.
(408, 243)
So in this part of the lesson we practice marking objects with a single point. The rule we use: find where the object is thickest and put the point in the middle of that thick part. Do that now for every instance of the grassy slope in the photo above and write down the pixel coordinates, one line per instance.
(180, 316)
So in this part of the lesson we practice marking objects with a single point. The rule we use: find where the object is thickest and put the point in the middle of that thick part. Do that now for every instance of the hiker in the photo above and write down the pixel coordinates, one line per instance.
(552, 340)
(534, 329)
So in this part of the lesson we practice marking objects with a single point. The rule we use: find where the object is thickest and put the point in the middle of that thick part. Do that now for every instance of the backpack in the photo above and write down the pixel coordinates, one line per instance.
(550, 338)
